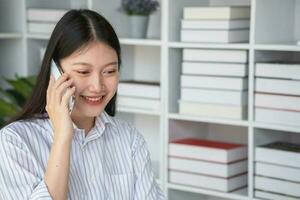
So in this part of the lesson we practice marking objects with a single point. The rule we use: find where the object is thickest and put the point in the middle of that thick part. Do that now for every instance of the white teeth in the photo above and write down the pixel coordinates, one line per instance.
(93, 99)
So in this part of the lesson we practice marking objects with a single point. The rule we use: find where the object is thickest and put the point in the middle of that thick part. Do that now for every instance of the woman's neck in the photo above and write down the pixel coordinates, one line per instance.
(86, 123)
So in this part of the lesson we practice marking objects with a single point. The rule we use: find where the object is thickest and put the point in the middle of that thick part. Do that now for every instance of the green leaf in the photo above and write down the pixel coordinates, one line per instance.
(31, 80)
(21, 86)
(19, 97)
(7, 96)
(8, 109)
(2, 122)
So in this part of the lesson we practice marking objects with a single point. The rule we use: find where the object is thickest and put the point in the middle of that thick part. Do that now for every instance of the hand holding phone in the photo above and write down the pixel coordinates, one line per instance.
(56, 72)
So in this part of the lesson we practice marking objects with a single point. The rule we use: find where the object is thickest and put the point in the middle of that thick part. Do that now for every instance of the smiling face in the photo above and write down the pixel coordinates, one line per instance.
(96, 76)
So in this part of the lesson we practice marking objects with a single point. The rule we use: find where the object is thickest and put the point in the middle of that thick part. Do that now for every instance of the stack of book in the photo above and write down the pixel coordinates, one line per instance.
(277, 171)
(43, 21)
(277, 93)
(215, 24)
(139, 95)
(208, 164)
(214, 83)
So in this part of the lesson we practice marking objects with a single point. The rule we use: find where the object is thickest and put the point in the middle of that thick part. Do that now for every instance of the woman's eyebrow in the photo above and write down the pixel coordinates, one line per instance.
(82, 63)
(111, 63)
(90, 65)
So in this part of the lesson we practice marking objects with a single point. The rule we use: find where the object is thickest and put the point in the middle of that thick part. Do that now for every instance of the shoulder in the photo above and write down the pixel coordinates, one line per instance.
(128, 131)
(23, 129)
(125, 128)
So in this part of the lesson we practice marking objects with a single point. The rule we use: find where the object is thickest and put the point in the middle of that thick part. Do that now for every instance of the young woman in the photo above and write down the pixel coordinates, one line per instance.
(48, 152)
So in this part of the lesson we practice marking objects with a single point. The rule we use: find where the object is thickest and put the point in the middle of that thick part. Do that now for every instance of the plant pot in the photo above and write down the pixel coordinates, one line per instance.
(138, 26)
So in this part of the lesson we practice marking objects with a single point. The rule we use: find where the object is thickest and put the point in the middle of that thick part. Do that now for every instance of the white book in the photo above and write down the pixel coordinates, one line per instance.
(273, 196)
(277, 116)
(277, 185)
(209, 182)
(216, 12)
(139, 103)
(214, 36)
(45, 15)
(139, 89)
(278, 86)
(215, 55)
(215, 69)
(280, 153)
(207, 150)
(40, 27)
(277, 171)
(208, 168)
(228, 97)
(278, 70)
(283, 102)
(212, 110)
(213, 82)
(215, 24)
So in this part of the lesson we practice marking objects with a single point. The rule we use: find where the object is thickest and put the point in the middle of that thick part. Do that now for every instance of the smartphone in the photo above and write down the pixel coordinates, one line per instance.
(57, 72)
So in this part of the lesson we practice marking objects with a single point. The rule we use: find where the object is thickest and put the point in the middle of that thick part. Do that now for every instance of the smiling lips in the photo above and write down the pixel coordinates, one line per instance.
(93, 100)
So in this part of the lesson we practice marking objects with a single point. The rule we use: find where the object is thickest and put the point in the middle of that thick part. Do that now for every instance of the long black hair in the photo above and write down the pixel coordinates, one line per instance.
(75, 30)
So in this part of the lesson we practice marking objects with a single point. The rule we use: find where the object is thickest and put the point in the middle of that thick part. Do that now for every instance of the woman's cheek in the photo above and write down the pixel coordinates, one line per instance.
(79, 85)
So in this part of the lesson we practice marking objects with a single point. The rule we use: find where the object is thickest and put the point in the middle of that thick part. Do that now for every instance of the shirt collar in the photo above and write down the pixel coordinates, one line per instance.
(101, 122)
(104, 119)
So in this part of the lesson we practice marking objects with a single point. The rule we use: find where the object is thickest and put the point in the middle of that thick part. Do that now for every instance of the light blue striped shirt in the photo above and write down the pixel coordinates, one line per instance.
(111, 162)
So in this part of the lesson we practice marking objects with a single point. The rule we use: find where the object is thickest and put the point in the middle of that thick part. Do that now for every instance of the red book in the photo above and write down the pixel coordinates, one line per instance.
(207, 150)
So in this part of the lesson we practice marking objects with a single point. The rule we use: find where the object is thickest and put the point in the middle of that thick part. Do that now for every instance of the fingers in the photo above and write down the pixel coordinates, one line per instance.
(56, 90)
(67, 95)
(61, 89)
(60, 80)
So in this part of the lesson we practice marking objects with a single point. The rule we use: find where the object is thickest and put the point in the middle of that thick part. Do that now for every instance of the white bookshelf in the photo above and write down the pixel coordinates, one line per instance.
(274, 28)
(10, 35)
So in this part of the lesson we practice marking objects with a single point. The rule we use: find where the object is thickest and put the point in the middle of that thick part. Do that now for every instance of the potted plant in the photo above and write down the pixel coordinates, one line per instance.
(12, 99)
(138, 12)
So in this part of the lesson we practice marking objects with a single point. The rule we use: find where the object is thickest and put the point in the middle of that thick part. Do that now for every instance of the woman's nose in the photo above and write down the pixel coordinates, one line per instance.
(96, 84)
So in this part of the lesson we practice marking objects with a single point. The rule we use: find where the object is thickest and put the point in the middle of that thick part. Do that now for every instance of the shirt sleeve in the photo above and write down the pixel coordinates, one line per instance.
(146, 187)
(18, 175)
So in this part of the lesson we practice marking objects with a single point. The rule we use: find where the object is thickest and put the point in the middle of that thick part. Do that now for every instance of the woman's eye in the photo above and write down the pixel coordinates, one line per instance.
(82, 72)
(110, 71)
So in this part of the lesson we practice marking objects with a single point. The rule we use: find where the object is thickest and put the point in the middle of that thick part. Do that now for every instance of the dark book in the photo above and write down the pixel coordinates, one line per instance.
(285, 146)
(140, 82)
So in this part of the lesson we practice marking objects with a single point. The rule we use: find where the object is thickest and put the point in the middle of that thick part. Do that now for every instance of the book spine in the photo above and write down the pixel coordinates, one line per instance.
(279, 157)
(212, 110)
(136, 90)
(218, 36)
(277, 171)
(238, 98)
(215, 69)
(277, 185)
(282, 102)
(287, 71)
(289, 87)
(139, 103)
(277, 116)
(215, 24)
(220, 184)
(45, 15)
(225, 83)
(208, 168)
(273, 196)
(45, 28)
(208, 55)
(216, 13)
